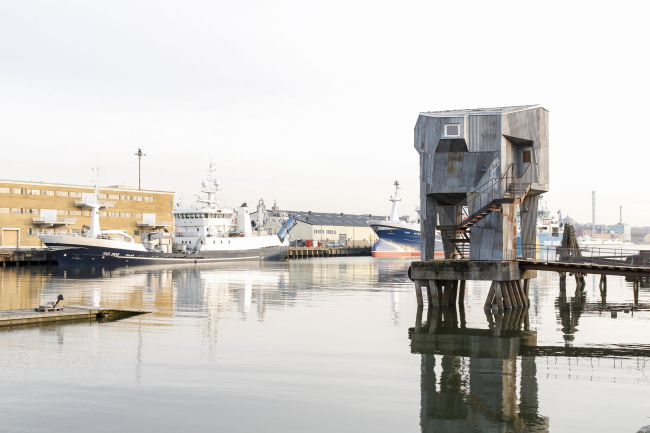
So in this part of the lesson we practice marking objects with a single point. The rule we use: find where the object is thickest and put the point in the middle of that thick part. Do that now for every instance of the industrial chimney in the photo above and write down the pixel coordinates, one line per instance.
(593, 210)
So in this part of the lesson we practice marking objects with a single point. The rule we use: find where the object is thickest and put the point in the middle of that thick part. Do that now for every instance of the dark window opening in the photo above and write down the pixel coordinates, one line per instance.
(527, 156)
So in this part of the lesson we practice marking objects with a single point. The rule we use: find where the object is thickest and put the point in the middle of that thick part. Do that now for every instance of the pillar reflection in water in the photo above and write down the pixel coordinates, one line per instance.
(469, 378)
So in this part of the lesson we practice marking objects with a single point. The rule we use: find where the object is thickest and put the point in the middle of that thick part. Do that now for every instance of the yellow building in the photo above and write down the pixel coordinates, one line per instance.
(30, 208)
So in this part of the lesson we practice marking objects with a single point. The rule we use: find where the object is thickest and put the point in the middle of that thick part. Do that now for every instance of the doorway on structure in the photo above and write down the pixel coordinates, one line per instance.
(524, 158)
(10, 238)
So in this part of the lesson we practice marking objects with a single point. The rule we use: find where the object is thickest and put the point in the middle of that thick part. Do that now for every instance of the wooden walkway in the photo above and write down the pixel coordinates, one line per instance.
(601, 261)
(70, 312)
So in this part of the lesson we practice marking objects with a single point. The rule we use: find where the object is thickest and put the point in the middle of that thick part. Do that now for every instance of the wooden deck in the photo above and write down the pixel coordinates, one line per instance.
(70, 312)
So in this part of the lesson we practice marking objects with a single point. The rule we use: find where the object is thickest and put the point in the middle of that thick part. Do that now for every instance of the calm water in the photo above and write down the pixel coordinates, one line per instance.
(318, 345)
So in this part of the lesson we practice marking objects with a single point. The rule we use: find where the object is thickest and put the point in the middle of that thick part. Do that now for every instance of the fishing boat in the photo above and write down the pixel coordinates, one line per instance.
(208, 231)
(399, 237)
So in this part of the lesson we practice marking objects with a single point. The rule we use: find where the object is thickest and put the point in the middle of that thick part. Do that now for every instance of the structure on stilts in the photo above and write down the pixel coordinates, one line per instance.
(478, 168)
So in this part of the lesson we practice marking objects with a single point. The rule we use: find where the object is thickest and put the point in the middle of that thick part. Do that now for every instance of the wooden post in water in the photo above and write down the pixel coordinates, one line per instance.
(432, 293)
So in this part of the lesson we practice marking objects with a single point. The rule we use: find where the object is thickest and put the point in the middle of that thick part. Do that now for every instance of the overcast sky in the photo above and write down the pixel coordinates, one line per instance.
(314, 103)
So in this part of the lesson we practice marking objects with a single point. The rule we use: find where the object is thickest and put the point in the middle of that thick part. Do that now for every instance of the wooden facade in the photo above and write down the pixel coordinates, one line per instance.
(460, 172)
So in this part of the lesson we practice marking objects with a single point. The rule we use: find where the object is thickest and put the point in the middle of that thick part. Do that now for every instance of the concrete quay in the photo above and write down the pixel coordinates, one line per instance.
(444, 281)
(305, 253)
(26, 257)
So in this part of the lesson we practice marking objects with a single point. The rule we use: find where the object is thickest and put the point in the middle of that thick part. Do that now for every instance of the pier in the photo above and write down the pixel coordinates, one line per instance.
(305, 253)
(26, 257)
(68, 313)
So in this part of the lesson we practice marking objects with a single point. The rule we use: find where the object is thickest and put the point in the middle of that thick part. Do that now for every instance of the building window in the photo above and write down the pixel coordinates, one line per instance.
(137, 198)
(8, 190)
(170, 203)
(33, 192)
(75, 231)
(113, 196)
(125, 214)
(102, 214)
(47, 231)
(75, 194)
(4, 210)
(62, 212)
(136, 233)
(102, 196)
(87, 213)
(75, 213)
(452, 130)
(137, 215)
(527, 156)
(48, 192)
(34, 211)
(33, 231)
(18, 211)
(126, 197)
(62, 231)
(62, 193)
(18, 190)
(114, 214)
(148, 199)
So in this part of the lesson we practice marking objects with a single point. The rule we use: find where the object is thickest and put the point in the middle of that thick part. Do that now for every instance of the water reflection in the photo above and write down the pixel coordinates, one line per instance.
(469, 376)
(486, 379)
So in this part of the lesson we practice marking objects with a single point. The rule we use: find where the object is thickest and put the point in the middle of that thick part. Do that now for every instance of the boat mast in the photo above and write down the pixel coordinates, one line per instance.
(94, 204)
(394, 199)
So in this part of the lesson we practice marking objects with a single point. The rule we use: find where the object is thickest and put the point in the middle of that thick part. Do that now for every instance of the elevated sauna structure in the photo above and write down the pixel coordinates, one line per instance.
(478, 167)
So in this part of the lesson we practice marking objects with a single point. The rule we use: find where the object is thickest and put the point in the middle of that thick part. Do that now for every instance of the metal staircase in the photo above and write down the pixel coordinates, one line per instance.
(494, 193)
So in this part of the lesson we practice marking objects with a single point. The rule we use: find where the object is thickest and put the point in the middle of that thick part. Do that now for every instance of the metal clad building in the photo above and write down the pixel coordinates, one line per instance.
(30, 208)
(353, 230)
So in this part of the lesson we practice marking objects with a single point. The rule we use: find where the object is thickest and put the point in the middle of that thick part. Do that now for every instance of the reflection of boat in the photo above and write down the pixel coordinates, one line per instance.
(206, 232)
(399, 237)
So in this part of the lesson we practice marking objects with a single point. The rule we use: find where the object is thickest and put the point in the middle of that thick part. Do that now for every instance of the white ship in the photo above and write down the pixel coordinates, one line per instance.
(205, 232)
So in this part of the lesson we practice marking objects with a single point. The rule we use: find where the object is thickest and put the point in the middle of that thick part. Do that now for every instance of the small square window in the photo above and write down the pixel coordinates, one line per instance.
(452, 130)
(527, 156)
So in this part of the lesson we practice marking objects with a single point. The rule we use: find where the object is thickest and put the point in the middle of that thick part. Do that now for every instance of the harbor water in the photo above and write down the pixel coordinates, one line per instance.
(317, 345)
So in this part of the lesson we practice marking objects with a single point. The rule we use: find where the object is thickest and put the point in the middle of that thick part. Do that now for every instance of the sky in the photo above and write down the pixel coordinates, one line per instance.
(313, 104)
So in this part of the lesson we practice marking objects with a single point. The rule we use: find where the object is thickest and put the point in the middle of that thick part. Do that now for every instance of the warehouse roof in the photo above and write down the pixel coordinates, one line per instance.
(478, 111)
(333, 219)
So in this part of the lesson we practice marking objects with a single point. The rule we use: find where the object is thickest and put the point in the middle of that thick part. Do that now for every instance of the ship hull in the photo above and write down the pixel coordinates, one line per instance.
(80, 253)
(400, 240)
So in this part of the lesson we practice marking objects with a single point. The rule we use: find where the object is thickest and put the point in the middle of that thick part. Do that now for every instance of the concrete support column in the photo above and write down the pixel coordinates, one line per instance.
(528, 218)
(428, 228)
(418, 293)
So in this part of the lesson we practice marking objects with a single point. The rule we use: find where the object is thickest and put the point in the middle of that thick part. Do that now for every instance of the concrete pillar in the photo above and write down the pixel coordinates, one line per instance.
(418, 319)
(432, 293)
(498, 295)
(490, 300)
(461, 292)
(507, 303)
(428, 228)
(446, 294)
(418, 293)
(528, 217)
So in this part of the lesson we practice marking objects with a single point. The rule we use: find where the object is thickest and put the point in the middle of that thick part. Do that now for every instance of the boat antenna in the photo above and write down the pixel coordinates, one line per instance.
(393, 211)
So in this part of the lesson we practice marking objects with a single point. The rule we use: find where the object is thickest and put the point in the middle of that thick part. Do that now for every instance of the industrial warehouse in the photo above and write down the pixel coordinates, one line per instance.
(28, 209)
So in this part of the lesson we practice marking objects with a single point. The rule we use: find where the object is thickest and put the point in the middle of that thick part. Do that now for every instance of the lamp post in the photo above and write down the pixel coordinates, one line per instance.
(140, 154)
